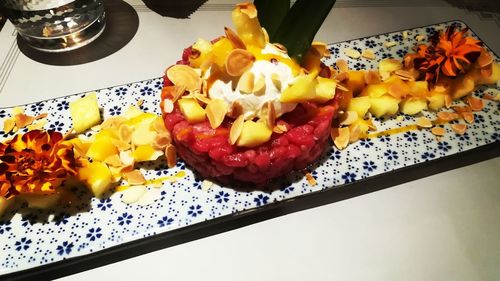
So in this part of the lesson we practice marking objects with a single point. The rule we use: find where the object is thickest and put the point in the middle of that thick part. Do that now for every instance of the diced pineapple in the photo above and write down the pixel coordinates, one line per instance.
(254, 134)
(85, 112)
(192, 111)
(247, 25)
(102, 146)
(202, 49)
(356, 81)
(325, 89)
(41, 201)
(146, 153)
(131, 112)
(141, 119)
(375, 90)
(419, 88)
(220, 51)
(384, 105)
(412, 106)
(436, 101)
(360, 105)
(388, 66)
(303, 89)
(97, 177)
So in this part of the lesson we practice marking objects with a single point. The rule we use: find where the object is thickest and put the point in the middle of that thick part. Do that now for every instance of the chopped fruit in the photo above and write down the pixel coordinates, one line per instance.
(384, 105)
(220, 51)
(375, 90)
(412, 106)
(360, 105)
(248, 26)
(140, 120)
(200, 52)
(387, 66)
(325, 89)
(303, 89)
(193, 112)
(436, 101)
(254, 134)
(356, 81)
(102, 147)
(462, 87)
(493, 78)
(146, 153)
(97, 177)
(85, 112)
(419, 88)
(38, 201)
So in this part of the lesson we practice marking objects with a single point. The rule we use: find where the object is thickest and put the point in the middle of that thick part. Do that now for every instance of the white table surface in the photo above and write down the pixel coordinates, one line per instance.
(443, 227)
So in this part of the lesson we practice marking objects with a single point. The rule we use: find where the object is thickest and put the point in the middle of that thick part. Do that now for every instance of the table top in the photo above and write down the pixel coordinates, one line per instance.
(443, 227)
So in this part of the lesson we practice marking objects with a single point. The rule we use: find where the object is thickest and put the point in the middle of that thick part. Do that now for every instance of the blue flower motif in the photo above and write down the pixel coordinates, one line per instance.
(125, 219)
(165, 221)
(287, 189)
(261, 199)
(495, 137)
(334, 50)
(428, 155)
(349, 177)
(366, 143)
(37, 106)
(195, 210)
(3, 113)
(384, 138)
(464, 137)
(370, 44)
(94, 233)
(359, 66)
(335, 154)
(401, 53)
(430, 31)
(61, 219)
(478, 118)
(23, 244)
(397, 37)
(386, 56)
(4, 226)
(115, 110)
(29, 219)
(369, 166)
(57, 126)
(197, 184)
(158, 84)
(121, 91)
(222, 197)
(65, 248)
(147, 91)
(410, 136)
(63, 105)
(104, 204)
(444, 146)
(391, 155)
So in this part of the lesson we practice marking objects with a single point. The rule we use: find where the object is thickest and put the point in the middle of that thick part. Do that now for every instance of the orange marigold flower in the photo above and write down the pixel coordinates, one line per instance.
(448, 54)
(36, 162)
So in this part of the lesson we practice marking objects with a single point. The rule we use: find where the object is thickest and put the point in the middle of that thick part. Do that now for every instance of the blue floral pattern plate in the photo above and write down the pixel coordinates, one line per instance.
(37, 238)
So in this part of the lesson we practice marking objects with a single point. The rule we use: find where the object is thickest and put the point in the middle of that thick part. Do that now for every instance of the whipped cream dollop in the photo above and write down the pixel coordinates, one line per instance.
(252, 103)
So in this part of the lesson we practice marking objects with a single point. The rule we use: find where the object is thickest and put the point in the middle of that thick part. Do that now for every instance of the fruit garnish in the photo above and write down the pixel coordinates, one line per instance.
(85, 112)
(271, 14)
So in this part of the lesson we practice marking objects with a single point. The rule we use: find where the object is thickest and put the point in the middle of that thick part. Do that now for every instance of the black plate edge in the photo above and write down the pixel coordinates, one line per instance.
(226, 223)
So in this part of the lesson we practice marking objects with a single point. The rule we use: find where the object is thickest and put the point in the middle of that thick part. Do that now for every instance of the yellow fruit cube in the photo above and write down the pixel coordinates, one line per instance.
(436, 101)
(325, 89)
(388, 66)
(220, 51)
(146, 153)
(356, 81)
(384, 105)
(200, 53)
(375, 90)
(131, 112)
(85, 112)
(419, 88)
(193, 112)
(254, 134)
(247, 25)
(141, 119)
(412, 106)
(96, 176)
(303, 89)
(495, 75)
(462, 87)
(102, 146)
(360, 105)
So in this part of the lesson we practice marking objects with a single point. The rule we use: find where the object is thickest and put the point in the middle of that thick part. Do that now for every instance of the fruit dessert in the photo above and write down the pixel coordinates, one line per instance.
(240, 109)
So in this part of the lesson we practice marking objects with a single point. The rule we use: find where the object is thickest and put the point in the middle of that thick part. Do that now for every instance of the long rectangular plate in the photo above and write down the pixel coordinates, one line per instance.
(48, 244)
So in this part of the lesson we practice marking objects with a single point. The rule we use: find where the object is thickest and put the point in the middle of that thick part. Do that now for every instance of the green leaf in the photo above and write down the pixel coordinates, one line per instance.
(297, 30)
(271, 13)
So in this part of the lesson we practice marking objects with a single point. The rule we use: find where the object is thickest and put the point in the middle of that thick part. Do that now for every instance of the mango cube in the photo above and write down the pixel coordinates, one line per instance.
(419, 88)
(220, 51)
(325, 89)
(384, 105)
(356, 81)
(463, 87)
(85, 112)
(254, 134)
(375, 90)
(193, 112)
(412, 106)
(97, 177)
(436, 101)
(202, 49)
(360, 105)
(303, 89)
(146, 153)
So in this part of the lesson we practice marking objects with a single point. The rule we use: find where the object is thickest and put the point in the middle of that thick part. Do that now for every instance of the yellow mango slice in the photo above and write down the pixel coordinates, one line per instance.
(85, 112)
(200, 53)
(356, 81)
(146, 153)
(384, 105)
(462, 87)
(419, 88)
(254, 134)
(360, 105)
(247, 25)
(436, 101)
(303, 89)
(96, 176)
(495, 75)
(375, 90)
(193, 112)
(325, 89)
(140, 119)
(412, 106)
(220, 51)
(102, 147)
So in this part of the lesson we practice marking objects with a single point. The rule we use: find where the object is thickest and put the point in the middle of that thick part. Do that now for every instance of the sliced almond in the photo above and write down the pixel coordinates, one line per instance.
(405, 34)
(239, 61)
(340, 137)
(447, 101)
(280, 48)
(423, 122)
(259, 87)
(438, 131)
(37, 125)
(134, 177)
(445, 117)
(310, 179)
(8, 125)
(133, 194)
(468, 116)
(461, 109)
(125, 133)
(280, 129)
(459, 128)
(404, 75)
(342, 76)
(397, 91)
(234, 38)
(488, 96)
(390, 44)
(41, 115)
(475, 103)
(342, 65)
(246, 82)
(271, 115)
(161, 141)
(202, 98)
(22, 120)
(420, 38)
(206, 185)
(342, 87)
(184, 75)
(354, 133)
(354, 54)
(112, 122)
(372, 77)
(168, 106)
(368, 54)
(176, 91)
(216, 112)
(127, 158)
(275, 78)
(236, 129)
(171, 155)
(348, 117)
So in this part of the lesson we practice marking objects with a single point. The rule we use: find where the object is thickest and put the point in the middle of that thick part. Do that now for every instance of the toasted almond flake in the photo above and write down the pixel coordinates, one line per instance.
(475, 103)
(184, 75)
(424, 122)
(340, 137)
(159, 126)
(390, 44)
(127, 157)
(176, 91)
(342, 65)
(206, 185)
(488, 96)
(134, 177)
(405, 34)
(8, 125)
(259, 87)
(438, 131)
(236, 129)
(310, 179)
(121, 145)
(404, 75)
(22, 120)
(37, 125)
(459, 128)
(468, 116)
(112, 122)
(246, 82)
(445, 116)
(202, 98)
(69, 134)
(266, 35)
(280, 48)
(171, 155)
(238, 62)
(397, 91)
(354, 54)
(420, 38)
(461, 109)
(248, 9)
(342, 76)
(41, 116)
(125, 133)
(133, 194)
(280, 129)
(368, 54)
(275, 78)
(447, 101)
(216, 112)
(271, 115)
(234, 38)
(161, 141)
(354, 133)
(113, 160)
(168, 106)
(342, 87)
(372, 77)
(17, 110)
(348, 117)
(370, 124)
